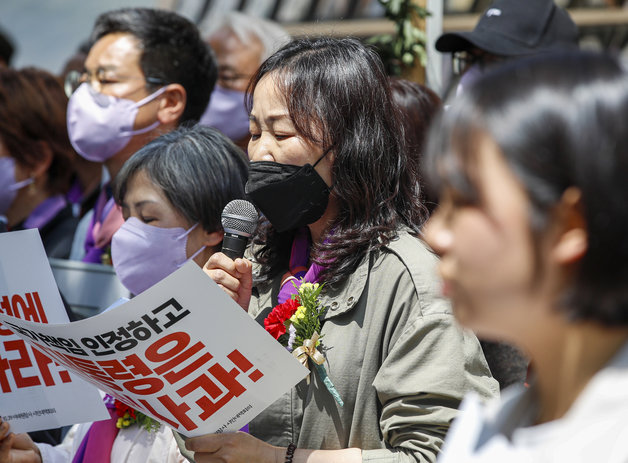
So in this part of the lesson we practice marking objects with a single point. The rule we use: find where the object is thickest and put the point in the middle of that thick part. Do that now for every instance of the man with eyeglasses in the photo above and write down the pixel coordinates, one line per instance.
(508, 29)
(147, 72)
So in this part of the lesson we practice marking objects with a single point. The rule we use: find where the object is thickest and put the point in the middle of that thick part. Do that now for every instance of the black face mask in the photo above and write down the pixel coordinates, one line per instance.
(289, 196)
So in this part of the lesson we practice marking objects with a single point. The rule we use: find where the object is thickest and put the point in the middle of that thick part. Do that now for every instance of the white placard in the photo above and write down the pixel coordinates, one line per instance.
(35, 392)
(182, 352)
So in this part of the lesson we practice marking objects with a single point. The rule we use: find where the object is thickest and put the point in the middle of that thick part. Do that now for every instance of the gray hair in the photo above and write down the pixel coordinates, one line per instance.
(198, 169)
(270, 34)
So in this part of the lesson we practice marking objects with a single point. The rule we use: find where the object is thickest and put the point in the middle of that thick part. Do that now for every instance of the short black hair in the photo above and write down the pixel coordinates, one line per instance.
(198, 169)
(171, 50)
(559, 121)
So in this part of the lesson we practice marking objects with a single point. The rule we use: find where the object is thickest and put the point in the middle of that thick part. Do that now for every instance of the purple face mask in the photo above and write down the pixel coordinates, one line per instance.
(8, 186)
(227, 113)
(143, 255)
(101, 125)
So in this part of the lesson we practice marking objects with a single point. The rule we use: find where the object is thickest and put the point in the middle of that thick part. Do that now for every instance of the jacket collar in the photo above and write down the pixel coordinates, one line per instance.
(343, 297)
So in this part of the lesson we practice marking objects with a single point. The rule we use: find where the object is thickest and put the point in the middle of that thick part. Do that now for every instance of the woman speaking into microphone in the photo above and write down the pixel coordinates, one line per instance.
(330, 173)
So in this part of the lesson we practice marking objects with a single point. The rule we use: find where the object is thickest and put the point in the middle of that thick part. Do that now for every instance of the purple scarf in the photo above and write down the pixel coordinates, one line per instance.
(45, 212)
(98, 441)
(105, 222)
(299, 258)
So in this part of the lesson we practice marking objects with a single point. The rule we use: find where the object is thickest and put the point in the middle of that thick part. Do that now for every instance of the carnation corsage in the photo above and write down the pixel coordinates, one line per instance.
(296, 324)
(128, 416)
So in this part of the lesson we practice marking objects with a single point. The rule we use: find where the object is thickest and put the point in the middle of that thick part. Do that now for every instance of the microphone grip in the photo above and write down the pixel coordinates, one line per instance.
(234, 245)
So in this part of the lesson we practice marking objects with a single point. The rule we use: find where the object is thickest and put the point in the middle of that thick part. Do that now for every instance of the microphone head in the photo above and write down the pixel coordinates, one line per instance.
(239, 217)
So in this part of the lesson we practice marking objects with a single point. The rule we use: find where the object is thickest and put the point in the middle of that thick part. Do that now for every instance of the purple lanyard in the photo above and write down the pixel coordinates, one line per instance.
(299, 258)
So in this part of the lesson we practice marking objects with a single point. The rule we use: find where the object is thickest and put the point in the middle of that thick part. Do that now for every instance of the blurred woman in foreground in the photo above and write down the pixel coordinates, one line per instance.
(531, 229)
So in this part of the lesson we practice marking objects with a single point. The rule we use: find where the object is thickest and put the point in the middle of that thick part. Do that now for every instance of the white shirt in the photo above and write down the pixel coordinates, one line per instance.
(131, 445)
(595, 429)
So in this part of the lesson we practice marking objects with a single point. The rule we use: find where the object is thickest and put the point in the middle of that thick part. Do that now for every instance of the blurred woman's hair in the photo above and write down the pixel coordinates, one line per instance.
(559, 122)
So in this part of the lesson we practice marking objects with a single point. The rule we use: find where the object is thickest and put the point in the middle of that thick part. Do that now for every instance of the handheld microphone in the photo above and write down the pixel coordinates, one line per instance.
(239, 220)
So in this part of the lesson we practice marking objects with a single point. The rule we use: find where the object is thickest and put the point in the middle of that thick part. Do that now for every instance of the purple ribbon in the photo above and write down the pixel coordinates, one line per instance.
(299, 272)
(98, 441)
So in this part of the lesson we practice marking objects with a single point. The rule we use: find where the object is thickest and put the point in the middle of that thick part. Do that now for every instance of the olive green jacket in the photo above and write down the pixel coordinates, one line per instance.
(396, 355)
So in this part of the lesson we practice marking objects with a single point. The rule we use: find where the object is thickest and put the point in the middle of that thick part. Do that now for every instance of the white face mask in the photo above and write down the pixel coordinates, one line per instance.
(143, 254)
(100, 126)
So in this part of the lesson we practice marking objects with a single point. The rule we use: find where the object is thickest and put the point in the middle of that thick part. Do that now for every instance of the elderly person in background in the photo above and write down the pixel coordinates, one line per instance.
(241, 43)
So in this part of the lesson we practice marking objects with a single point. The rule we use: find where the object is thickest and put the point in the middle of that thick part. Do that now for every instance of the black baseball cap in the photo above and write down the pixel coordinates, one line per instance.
(516, 28)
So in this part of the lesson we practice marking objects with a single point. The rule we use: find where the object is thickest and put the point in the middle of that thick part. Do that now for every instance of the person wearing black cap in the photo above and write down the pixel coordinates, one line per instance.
(509, 29)
(530, 163)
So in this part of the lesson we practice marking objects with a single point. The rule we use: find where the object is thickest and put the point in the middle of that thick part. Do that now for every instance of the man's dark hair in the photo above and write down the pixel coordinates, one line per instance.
(171, 50)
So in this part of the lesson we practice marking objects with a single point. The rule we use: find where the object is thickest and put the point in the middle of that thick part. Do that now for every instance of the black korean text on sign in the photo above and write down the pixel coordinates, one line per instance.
(127, 337)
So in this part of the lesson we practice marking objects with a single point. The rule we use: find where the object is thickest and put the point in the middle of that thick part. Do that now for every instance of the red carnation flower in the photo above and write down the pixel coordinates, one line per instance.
(274, 323)
(122, 408)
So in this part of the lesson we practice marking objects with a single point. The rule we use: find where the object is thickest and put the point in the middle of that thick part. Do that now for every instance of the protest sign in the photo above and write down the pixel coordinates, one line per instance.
(35, 392)
(182, 352)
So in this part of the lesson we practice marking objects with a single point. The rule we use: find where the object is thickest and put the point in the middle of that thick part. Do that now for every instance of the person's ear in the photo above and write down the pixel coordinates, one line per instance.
(212, 239)
(172, 104)
(39, 171)
(572, 242)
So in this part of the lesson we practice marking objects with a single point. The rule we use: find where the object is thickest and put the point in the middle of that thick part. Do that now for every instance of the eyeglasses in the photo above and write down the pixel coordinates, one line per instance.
(463, 60)
(99, 79)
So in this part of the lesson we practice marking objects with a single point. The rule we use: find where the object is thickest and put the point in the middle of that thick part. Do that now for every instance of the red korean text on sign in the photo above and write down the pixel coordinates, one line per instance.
(203, 385)
(21, 366)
